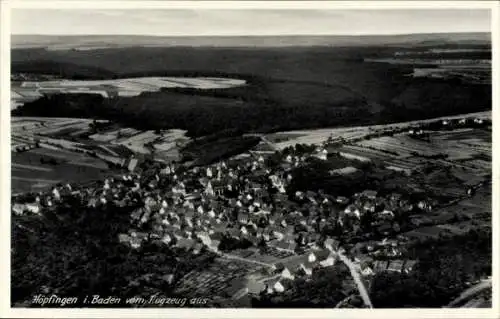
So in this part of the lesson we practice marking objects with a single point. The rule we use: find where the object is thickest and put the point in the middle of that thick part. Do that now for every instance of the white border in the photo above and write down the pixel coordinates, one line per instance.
(6, 311)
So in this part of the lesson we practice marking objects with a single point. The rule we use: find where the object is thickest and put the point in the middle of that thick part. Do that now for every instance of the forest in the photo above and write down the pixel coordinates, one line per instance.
(287, 88)
(85, 241)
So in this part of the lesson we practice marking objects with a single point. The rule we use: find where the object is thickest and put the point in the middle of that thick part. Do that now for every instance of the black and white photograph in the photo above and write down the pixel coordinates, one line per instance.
(249, 157)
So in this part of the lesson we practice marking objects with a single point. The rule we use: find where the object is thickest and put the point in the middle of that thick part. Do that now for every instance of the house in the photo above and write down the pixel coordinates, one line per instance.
(318, 255)
(286, 246)
(200, 210)
(409, 265)
(211, 213)
(277, 232)
(255, 287)
(306, 268)
(332, 244)
(279, 285)
(124, 238)
(252, 227)
(243, 218)
(198, 248)
(369, 207)
(395, 265)
(329, 261)
(18, 208)
(287, 273)
(267, 235)
(321, 154)
(56, 194)
(352, 155)
(33, 208)
(167, 239)
(387, 214)
(344, 171)
(244, 230)
(135, 242)
(352, 210)
(370, 194)
(168, 278)
(342, 200)
(185, 243)
(214, 245)
(367, 271)
(132, 164)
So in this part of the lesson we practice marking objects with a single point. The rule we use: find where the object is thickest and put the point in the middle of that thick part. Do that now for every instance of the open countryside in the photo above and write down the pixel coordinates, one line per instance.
(23, 91)
(254, 172)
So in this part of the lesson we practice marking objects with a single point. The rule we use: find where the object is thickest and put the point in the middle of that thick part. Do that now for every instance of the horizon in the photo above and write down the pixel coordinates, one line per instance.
(237, 22)
(245, 35)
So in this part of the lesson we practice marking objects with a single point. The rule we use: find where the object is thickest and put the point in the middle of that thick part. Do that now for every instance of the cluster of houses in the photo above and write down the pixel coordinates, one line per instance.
(247, 200)
(242, 199)
(239, 200)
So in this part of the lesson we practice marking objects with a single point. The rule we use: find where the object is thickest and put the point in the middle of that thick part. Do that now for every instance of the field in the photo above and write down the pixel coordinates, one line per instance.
(457, 147)
(47, 151)
(28, 173)
(473, 213)
(469, 66)
(214, 279)
(318, 136)
(120, 87)
(286, 88)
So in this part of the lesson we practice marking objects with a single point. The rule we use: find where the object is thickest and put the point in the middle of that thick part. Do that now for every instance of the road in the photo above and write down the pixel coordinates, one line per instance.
(357, 278)
(343, 301)
(320, 135)
(484, 284)
(234, 257)
(352, 268)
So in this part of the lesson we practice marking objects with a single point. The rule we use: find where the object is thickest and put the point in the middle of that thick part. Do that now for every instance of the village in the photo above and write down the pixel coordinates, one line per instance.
(265, 234)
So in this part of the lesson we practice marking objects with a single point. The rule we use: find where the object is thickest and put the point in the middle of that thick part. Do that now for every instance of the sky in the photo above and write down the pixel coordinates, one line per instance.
(234, 22)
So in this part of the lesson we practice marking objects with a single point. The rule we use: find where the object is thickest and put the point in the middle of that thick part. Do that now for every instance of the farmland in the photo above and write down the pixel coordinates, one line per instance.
(318, 136)
(47, 151)
(457, 219)
(216, 278)
(464, 65)
(118, 87)
(292, 88)
(436, 159)
(39, 169)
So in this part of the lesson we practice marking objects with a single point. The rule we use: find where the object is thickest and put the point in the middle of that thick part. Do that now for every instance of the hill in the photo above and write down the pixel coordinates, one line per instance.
(288, 87)
(64, 42)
